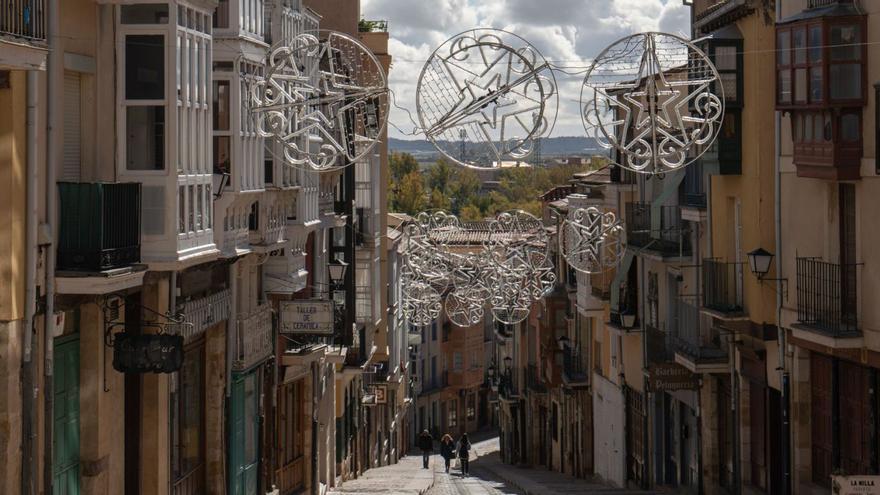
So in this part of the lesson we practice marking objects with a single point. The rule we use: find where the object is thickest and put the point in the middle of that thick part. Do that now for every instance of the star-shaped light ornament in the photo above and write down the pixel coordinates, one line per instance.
(484, 97)
(649, 99)
(593, 241)
(322, 103)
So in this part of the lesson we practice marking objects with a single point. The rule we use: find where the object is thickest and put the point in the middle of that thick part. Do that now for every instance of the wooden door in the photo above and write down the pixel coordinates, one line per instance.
(821, 422)
(244, 433)
(855, 419)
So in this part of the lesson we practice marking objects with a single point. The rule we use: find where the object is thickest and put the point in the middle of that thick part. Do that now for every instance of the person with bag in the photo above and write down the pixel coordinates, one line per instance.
(447, 449)
(464, 452)
(426, 443)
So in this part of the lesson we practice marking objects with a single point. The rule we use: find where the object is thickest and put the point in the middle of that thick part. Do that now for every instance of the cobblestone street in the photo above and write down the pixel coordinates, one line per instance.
(489, 476)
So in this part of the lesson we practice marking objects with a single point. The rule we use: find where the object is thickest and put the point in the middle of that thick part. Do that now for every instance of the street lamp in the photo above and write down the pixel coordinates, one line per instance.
(759, 262)
(490, 372)
(337, 270)
(507, 362)
(563, 342)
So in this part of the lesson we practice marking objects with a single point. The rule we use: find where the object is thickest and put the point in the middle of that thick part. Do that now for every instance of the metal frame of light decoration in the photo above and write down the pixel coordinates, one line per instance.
(593, 241)
(508, 273)
(485, 95)
(323, 102)
(648, 99)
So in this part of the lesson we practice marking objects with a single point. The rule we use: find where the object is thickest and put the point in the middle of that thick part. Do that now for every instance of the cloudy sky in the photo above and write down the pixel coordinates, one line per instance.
(566, 32)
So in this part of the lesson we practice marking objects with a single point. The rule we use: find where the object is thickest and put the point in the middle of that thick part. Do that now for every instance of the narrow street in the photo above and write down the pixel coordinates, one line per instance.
(488, 476)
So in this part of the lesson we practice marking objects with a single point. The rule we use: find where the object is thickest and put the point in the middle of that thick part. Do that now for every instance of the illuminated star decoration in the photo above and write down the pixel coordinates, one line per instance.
(323, 101)
(649, 98)
(485, 97)
(593, 241)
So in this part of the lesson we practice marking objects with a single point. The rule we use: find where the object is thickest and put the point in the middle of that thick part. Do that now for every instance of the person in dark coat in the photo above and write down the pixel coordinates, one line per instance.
(447, 449)
(464, 452)
(426, 443)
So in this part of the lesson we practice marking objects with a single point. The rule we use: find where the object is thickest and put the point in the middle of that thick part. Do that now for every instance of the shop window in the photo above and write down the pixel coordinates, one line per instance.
(452, 414)
(471, 407)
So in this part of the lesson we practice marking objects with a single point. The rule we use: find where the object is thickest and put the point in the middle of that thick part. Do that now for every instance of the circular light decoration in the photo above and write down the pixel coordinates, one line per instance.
(654, 100)
(507, 272)
(485, 96)
(593, 241)
(323, 101)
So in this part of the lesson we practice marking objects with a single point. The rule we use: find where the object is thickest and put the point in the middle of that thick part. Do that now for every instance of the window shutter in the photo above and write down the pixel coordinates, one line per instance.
(70, 164)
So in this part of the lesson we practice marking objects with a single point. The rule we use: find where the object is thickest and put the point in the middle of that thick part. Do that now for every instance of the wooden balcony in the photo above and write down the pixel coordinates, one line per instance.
(253, 339)
(100, 226)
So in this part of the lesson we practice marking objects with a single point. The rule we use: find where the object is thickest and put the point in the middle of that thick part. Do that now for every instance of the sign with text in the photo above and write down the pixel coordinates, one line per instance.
(668, 377)
(307, 316)
(381, 394)
(855, 485)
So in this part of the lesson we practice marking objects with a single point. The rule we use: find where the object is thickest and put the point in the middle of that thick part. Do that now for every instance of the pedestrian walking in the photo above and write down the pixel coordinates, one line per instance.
(426, 443)
(464, 452)
(447, 449)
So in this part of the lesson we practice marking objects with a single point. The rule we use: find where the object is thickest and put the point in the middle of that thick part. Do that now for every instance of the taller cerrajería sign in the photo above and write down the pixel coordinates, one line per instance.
(307, 316)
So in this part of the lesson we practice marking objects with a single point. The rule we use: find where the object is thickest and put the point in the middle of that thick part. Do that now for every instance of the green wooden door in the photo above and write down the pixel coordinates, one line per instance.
(65, 452)
(244, 428)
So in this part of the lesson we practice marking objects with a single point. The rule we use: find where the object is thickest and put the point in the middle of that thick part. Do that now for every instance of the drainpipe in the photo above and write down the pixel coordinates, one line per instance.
(785, 378)
(28, 480)
(172, 310)
(54, 79)
(315, 404)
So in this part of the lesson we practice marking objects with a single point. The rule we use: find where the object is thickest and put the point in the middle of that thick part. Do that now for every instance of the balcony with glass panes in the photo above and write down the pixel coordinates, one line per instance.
(164, 135)
(821, 79)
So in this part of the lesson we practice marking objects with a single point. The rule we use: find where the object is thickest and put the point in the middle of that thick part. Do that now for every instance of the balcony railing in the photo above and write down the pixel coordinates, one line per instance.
(600, 284)
(693, 339)
(693, 190)
(23, 19)
(813, 4)
(533, 379)
(100, 226)
(574, 366)
(827, 296)
(507, 386)
(253, 340)
(722, 286)
(666, 237)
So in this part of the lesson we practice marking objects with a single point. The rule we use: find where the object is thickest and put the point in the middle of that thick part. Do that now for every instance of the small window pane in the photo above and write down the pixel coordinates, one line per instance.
(815, 43)
(808, 128)
(181, 15)
(221, 15)
(818, 132)
(200, 208)
(826, 127)
(221, 155)
(145, 138)
(845, 81)
(191, 218)
(783, 45)
(221, 105)
(784, 86)
(147, 13)
(849, 37)
(800, 85)
(181, 209)
(728, 128)
(849, 127)
(816, 83)
(799, 39)
(728, 82)
(725, 57)
(797, 128)
(145, 67)
(209, 211)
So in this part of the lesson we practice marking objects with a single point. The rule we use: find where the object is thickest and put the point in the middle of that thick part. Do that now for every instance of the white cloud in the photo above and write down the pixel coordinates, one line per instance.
(567, 32)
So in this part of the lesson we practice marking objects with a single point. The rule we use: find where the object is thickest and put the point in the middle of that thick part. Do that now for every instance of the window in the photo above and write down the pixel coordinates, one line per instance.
(145, 138)
(145, 67)
(221, 15)
(820, 62)
(147, 13)
(653, 301)
(457, 361)
(471, 407)
(434, 331)
(728, 61)
(452, 413)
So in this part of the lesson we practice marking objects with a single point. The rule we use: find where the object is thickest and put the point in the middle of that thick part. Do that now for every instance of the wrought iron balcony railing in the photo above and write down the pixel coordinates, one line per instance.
(507, 386)
(253, 341)
(23, 19)
(666, 236)
(693, 339)
(574, 366)
(534, 381)
(722, 286)
(100, 226)
(827, 296)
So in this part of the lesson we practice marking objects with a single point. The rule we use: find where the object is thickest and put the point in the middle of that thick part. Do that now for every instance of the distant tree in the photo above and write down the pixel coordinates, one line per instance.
(439, 201)
(402, 164)
(410, 196)
(471, 213)
(438, 176)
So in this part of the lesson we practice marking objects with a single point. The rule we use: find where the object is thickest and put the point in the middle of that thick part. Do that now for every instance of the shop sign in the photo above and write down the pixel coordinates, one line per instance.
(307, 316)
(669, 377)
(855, 485)
(148, 353)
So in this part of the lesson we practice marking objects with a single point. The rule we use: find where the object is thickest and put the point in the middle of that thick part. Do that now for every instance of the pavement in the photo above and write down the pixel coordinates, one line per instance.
(488, 476)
